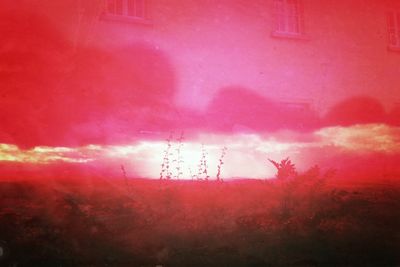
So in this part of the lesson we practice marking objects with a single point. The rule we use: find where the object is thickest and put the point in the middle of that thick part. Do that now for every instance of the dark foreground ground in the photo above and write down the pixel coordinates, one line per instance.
(310, 220)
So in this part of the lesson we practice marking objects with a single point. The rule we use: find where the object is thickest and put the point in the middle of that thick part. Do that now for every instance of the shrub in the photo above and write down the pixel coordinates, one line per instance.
(285, 168)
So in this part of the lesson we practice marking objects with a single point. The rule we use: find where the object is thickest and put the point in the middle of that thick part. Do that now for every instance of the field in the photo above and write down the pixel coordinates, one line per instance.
(310, 220)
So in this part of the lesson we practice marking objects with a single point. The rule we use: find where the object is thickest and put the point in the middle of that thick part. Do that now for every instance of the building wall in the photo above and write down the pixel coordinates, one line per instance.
(215, 44)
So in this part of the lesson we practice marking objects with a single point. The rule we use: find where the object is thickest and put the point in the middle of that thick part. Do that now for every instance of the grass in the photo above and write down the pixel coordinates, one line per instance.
(306, 221)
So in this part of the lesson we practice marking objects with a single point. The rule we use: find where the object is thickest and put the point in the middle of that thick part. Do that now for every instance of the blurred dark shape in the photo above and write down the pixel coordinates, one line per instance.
(394, 115)
(53, 94)
(116, 94)
(33, 58)
(241, 109)
(356, 110)
(114, 81)
(285, 168)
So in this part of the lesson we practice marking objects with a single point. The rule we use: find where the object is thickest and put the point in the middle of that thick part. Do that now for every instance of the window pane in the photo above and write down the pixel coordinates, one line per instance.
(279, 15)
(391, 24)
(140, 8)
(287, 16)
(118, 7)
(131, 8)
(111, 6)
(292, 10)
(397, 29)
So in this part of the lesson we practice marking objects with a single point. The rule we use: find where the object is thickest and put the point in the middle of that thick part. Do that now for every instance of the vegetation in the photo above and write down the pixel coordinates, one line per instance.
(203, 165)
(172, 162)
(307, 220)
(285, 168)
(166, 172)
(220, 163)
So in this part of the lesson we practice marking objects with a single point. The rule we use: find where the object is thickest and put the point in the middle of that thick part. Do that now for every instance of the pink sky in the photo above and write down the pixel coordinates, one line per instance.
(108, 97)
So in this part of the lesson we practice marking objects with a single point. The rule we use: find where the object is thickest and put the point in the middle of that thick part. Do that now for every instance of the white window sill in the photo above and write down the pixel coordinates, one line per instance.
(289, 35)
(394, 48)
(127, 19)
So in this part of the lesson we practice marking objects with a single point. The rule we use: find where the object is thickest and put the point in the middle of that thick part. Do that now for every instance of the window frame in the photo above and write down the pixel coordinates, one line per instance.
(124, 15)
(288, 19)
(393, 31)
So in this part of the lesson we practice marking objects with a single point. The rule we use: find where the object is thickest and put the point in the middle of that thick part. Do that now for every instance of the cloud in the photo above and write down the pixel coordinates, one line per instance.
(362, 138)
(238, 109)
(394, 115)
(40, 155)
(57, 96)
(246, 156)
(356, 110)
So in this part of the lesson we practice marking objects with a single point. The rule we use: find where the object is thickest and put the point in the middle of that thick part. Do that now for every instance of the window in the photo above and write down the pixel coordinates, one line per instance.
(127, 10)
(393, 27)
(288, 21)
(300, 105)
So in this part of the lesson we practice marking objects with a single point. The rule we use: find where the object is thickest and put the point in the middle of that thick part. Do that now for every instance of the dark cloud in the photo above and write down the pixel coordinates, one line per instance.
(33, 59)
(356, 110)
(241, 109)
(52, 94)
(116, 94)
(394, 115)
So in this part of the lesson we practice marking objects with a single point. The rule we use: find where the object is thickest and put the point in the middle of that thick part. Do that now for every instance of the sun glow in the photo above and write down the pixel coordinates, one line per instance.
(246, 155)
(362, 138)
(39, 155)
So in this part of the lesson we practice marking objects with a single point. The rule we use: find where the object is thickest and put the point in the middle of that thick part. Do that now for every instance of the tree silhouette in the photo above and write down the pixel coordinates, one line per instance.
(285, 168)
